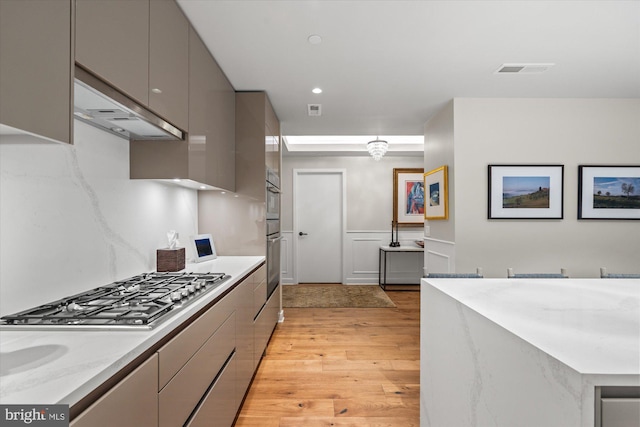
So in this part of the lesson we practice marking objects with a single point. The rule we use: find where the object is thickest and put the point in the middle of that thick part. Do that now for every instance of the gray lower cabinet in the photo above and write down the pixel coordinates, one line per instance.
(620, 412)
(36, 67)
(265, 324)
(134, 401)
(220, 404)
(201, 375)
(182, 395)
(243, 295)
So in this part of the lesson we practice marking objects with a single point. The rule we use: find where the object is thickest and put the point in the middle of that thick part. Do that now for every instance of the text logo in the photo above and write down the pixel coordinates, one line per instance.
(34, 415)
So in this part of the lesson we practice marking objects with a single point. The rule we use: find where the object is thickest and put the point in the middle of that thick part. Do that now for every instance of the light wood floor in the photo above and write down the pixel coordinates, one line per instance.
(340, 367)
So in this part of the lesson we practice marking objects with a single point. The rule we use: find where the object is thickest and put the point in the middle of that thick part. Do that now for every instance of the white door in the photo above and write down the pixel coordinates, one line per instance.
(318, 224)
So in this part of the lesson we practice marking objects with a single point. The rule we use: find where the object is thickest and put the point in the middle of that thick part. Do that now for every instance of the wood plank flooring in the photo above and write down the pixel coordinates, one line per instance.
(340, 367)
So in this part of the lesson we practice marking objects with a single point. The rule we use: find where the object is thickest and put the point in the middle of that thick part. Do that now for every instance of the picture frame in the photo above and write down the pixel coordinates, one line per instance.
(408, 197)
(436, 186)
(526, 192)
(609, 192)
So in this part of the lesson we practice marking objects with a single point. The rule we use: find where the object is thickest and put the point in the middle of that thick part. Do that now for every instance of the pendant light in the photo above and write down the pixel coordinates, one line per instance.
(377, 148)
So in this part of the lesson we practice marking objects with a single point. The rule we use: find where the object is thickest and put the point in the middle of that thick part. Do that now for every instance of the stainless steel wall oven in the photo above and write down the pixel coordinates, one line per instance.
(273, 231)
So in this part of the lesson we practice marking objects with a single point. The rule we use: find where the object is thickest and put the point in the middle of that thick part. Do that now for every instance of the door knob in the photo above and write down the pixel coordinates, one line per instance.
(303, 234)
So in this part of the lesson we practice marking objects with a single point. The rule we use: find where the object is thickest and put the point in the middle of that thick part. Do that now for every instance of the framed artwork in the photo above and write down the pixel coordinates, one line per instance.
(437, 189)
(408, 197)
(526, 192)
(608, 192)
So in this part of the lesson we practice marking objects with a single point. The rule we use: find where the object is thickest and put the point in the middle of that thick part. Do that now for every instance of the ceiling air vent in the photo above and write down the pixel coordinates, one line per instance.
(314, 109)
(523, 68)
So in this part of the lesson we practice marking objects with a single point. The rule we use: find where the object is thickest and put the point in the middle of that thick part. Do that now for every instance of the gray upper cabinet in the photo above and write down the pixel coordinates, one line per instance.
(211, 119)
(169, 62)
(257, 143)
(272, 130)
(112, 41)
(208, 155)
(35, 67)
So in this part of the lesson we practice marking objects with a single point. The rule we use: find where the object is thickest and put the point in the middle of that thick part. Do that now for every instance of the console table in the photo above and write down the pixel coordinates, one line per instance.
(382, 263)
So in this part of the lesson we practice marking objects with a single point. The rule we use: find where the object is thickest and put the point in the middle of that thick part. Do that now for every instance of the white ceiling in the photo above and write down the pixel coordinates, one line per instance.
(386, 67)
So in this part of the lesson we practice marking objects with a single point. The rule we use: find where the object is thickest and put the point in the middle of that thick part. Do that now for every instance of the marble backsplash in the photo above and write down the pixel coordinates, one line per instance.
(71, 219)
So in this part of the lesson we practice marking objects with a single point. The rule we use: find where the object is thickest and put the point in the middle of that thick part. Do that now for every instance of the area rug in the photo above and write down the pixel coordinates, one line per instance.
(334, 296)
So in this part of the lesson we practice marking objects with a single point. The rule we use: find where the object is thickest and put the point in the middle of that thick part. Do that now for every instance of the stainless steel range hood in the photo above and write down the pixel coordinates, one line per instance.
(100, 105)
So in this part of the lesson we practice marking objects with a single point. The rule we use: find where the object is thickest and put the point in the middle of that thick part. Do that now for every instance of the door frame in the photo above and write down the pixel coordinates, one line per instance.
(343, 231)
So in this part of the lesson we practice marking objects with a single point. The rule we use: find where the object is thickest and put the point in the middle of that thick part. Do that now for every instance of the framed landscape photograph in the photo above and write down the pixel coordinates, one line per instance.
(526, 192)
(436, 187)
(408, 197)
(608, 192)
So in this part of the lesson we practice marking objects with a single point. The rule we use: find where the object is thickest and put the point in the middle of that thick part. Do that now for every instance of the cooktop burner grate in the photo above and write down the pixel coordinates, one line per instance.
(140, 301)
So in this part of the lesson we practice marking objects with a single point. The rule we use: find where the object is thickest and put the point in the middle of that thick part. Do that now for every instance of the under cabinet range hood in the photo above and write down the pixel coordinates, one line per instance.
(102, 106)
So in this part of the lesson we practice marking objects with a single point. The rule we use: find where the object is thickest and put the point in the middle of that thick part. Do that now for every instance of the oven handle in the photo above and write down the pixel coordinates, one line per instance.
(275, 240)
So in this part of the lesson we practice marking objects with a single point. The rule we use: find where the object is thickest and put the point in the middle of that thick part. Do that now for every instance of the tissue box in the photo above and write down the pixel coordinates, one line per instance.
(170, 259)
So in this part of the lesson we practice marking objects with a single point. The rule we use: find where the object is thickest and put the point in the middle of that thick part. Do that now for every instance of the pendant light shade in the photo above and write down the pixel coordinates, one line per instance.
(377, 148)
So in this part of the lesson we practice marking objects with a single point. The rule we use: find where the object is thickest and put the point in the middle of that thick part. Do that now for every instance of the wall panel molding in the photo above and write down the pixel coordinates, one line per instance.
(439, 256)
(361, 256)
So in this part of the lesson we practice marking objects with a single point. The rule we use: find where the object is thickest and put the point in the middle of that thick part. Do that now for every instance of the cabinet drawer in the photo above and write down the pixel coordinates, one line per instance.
(620, 412)
(219, 406)
(259, 297)
(179, 398)
(181, 348)
(259, 276)
(134, 400)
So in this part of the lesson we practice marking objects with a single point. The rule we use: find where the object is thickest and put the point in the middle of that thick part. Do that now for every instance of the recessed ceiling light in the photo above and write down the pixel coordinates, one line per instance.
(202, 187)
(317, 90)
(314, 39)
(176, 179)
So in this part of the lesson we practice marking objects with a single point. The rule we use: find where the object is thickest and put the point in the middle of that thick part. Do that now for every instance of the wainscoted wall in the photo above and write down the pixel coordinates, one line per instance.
(361, 257)
(71, 219)
(440, 256)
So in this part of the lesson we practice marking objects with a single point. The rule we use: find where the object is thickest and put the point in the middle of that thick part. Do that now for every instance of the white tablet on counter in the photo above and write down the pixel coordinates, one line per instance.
(203, 248)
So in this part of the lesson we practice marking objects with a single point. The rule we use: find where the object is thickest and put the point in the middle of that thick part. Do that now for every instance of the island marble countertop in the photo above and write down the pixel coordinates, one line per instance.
(63, 366)
(590, 325)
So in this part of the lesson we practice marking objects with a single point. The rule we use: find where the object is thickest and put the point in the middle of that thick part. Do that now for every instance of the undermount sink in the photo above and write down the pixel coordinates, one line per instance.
(13, 362)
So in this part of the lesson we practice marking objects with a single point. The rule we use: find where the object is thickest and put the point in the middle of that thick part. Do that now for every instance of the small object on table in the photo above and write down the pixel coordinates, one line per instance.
(394, 242)
(420, 243)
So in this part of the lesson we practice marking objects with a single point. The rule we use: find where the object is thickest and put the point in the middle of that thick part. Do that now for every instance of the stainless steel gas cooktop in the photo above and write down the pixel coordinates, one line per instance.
(138, 302)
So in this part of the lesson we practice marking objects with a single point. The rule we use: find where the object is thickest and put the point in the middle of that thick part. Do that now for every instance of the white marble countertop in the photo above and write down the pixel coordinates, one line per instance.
(63, 366)
(590, 325)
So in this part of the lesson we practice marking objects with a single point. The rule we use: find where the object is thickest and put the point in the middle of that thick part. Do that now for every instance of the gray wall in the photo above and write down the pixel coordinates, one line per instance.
(535, 131)
(369, 187)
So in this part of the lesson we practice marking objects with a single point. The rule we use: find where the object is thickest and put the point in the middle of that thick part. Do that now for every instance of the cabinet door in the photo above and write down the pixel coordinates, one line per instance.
(35, 67)
(243, 296)
(134, 401)
(112, 41)
(211, 119)
(620, 412)
(169, 62)
(273, 138)
(250, 144)
(219, 406)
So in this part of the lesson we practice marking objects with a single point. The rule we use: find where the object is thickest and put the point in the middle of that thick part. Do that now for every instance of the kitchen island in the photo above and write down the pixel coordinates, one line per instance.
(49, 366)
(528, 352)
